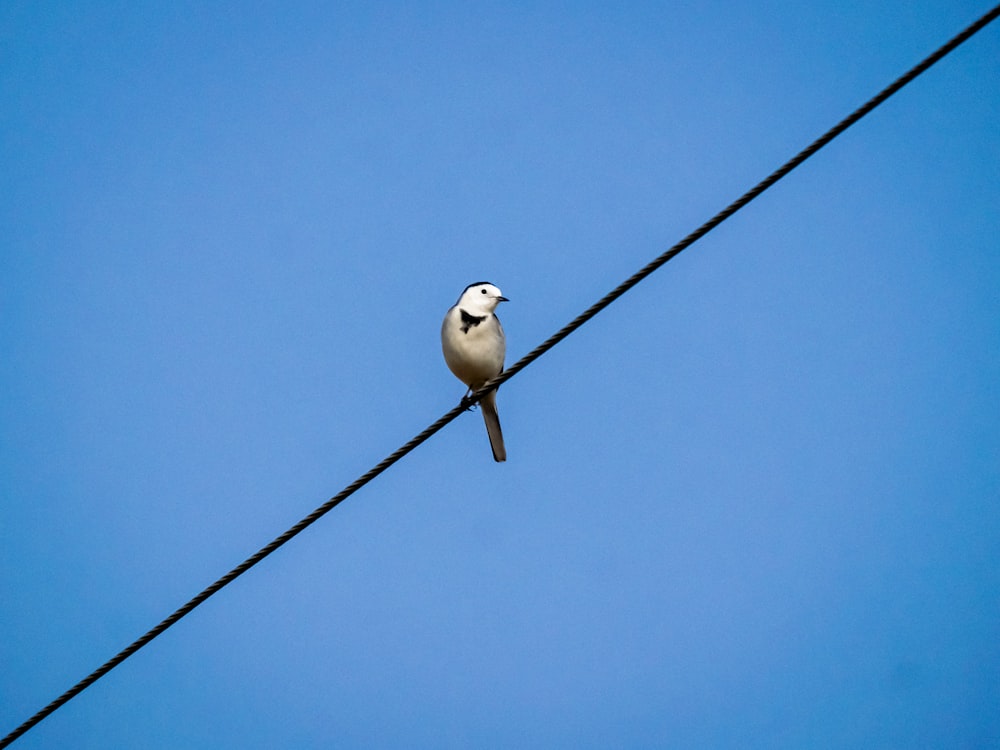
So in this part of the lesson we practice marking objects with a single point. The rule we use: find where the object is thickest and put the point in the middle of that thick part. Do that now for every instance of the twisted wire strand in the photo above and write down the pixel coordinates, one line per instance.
(510, 372)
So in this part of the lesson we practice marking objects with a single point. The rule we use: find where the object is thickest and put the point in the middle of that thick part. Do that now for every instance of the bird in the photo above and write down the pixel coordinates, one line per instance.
(474, 347)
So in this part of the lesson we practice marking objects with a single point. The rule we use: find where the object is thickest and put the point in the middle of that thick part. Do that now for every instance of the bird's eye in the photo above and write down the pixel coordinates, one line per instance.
(483, 291)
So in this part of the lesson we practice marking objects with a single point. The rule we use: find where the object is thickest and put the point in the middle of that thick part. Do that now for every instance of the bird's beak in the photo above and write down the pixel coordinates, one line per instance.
(502, 299)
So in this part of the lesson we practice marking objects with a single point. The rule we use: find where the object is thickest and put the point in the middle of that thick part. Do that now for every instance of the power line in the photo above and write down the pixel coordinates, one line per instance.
(534, 354)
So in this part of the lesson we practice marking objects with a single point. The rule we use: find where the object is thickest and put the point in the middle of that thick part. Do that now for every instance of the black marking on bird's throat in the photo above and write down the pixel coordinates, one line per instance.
(468, 321)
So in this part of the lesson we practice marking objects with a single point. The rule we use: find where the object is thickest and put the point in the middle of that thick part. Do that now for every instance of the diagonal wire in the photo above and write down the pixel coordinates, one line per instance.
(534, 354)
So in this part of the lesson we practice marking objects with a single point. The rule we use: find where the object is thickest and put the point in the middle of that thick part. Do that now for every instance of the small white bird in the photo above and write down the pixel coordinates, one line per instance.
(474, 347)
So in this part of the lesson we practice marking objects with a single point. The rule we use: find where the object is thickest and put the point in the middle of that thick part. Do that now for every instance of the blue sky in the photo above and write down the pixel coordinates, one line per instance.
(752, 505)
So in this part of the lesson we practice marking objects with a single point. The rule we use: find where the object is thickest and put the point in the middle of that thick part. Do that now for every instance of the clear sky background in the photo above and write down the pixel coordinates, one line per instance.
(755, 504)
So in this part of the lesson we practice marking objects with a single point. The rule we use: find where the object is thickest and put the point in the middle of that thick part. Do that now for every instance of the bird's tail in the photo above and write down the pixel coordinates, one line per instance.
(488, 405)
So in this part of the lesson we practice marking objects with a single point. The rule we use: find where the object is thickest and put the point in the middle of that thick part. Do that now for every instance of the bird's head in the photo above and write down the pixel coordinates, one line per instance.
(481, 297)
